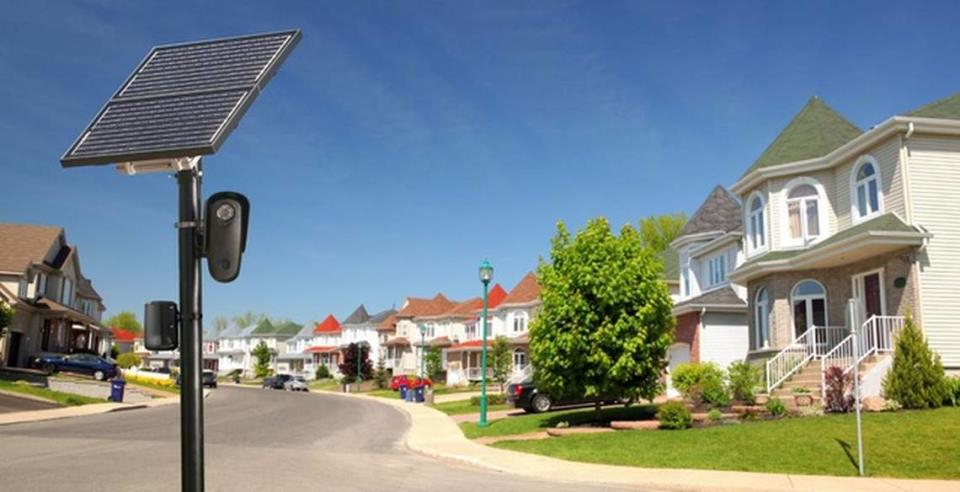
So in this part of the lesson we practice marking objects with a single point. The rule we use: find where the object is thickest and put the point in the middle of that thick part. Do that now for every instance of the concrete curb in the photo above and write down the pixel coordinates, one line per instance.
(433, 433)
(85, 410)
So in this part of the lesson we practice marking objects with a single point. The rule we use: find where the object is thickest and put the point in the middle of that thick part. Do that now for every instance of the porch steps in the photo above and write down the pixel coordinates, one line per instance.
(809, 378)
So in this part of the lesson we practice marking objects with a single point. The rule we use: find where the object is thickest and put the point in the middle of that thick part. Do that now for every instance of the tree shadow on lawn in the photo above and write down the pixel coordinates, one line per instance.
(587, 416)
(848, 450)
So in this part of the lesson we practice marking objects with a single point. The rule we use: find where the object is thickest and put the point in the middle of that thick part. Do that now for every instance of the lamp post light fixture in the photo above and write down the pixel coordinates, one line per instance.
(486, 275)
(423, 349)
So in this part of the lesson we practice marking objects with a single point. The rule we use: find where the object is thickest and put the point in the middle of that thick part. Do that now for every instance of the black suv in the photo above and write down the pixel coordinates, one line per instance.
(277, 382)
(525, 396)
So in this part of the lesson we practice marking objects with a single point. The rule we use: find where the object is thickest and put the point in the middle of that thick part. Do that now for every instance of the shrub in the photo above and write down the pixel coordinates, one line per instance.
(916, 379)
(776, 407)
(701, 383)
(674, 415)
(494, 399)
(891, 406)
(715, 416)
(835, 397)
(380, 376)
(743, 379)
(323, 372)
(128, 360)
(953, 395)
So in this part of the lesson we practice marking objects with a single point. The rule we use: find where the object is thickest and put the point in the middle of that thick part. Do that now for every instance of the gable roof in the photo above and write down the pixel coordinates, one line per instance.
(815, 131)
(328, 325)
(284, 328)
(389, 323)
(86, 289)
(382, 316)
(719, 212)
(724, 296)
(22, 245)
(496, 296)
(947, 108)
(358, 316)
(416, 306)
(526, 290)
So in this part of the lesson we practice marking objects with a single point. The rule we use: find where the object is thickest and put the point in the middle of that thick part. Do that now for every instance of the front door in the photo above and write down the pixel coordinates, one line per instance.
(872, 300)
(13, 356)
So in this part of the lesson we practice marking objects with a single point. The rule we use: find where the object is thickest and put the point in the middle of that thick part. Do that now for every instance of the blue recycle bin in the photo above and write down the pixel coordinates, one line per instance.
(403, 392)
(116, 390)
(418, 394)
(409, 397)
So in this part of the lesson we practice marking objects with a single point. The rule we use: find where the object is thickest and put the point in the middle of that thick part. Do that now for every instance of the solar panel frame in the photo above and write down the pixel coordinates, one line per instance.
(76, 155)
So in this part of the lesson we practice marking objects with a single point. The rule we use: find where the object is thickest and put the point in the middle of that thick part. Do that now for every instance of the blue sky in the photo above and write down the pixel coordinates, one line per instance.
(404, 142)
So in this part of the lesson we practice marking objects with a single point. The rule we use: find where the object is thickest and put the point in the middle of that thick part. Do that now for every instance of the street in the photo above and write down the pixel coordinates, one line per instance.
(255, 440)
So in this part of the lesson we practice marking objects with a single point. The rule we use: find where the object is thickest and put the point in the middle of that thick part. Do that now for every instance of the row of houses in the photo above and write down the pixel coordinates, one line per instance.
(56, 308)
(831, 229)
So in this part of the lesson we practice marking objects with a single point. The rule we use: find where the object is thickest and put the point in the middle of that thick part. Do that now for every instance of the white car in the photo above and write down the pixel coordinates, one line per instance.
(296, 384)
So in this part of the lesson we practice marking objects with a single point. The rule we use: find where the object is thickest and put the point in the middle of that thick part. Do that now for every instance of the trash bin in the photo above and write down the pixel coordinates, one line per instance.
(403, 392)
(116, 390)
(409, 397)
(418, 394)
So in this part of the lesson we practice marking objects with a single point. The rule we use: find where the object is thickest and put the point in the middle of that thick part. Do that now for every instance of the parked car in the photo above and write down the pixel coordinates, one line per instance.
(209, 378)
(83, 363)
(410, 382)
(524, 395)
(277, 382)
(296, 384)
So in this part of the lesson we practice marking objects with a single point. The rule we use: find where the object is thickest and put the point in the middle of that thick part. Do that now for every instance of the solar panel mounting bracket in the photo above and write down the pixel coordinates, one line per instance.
(159, 166)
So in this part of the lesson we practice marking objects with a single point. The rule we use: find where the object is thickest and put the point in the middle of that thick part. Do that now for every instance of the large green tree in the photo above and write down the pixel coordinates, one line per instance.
(434, 363)
(125, 320)
(606, 323)
(248, 319)
(658, 231)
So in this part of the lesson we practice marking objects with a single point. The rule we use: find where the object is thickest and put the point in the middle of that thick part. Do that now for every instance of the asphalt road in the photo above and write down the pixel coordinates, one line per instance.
(255, 440)
(9, 403)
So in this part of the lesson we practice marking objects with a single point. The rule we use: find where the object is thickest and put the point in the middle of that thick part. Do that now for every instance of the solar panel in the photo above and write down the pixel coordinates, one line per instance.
(182, 101)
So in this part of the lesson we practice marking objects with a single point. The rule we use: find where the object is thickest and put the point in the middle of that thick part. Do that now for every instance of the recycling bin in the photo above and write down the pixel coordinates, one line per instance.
(116, 390)
(418, 394)
(403, 391)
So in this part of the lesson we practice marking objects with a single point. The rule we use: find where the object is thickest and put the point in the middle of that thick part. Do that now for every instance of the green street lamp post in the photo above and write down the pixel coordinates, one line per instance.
(486, 275)
(423, 349)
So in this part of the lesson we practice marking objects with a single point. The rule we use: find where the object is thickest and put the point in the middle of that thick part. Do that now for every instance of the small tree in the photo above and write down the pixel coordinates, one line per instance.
(606, 322)
(380, 376)
(743, 378)
(916, 379)
(349, 365)
(6, 316)
(114, 351)
(501, 360)
(323, 372)
(128, 360)
(261, 365)
(434, 363)
(125, 320)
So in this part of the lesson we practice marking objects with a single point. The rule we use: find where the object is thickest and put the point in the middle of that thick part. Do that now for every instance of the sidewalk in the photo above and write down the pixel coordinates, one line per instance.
(434, 434)
(84, 410)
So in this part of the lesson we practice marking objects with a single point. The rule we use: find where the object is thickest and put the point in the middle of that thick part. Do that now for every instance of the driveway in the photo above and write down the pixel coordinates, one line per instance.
(255, 440)
(10, 403)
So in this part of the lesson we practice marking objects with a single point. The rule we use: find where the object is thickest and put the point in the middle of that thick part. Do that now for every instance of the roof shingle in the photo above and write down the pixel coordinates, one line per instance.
(24, 244)
(527, 290)
(720, 212)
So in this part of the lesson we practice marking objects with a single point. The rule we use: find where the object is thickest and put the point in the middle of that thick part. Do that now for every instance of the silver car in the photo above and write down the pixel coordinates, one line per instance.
(296, 384)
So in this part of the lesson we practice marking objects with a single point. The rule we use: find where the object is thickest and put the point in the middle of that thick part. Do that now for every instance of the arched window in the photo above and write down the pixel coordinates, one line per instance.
(757, 237)
(809, 300)
(803, 213)
(865, 193)
(519, 359)
(519, 322)
(762, 319)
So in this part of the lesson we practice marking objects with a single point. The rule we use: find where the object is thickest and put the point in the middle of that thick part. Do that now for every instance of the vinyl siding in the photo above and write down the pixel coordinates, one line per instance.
(723, 338)
(887, 155)
(934, 174)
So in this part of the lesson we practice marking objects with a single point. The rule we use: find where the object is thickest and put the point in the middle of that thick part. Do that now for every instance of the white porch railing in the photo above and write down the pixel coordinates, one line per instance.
(814, 342)
(473, 373)
(876, 337)
(521, 375)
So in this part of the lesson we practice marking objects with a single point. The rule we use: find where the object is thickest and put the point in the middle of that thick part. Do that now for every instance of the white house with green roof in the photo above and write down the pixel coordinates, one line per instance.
(831, 214)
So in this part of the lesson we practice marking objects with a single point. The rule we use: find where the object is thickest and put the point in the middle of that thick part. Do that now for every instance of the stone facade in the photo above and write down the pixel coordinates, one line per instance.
(839, 287)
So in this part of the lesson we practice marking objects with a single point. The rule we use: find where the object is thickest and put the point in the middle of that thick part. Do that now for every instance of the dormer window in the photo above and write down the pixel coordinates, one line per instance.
(718, 270)
(865, 193)
(803, 213)
(756, 224)
(519, 322)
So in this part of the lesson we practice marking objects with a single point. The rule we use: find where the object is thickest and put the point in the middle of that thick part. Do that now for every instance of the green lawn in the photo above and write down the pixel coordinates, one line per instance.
(537, 422)
(907, 444)
(65, 399)
(464, 407)
(143, 382)
(383, 393)
(324, 384)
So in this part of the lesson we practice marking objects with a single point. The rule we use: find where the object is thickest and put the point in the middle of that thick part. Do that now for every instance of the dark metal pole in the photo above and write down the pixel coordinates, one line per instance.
(191, 392)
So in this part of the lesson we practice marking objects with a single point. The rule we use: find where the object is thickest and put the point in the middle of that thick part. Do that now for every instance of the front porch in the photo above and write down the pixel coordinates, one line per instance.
(48, 326)
(464, 362)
